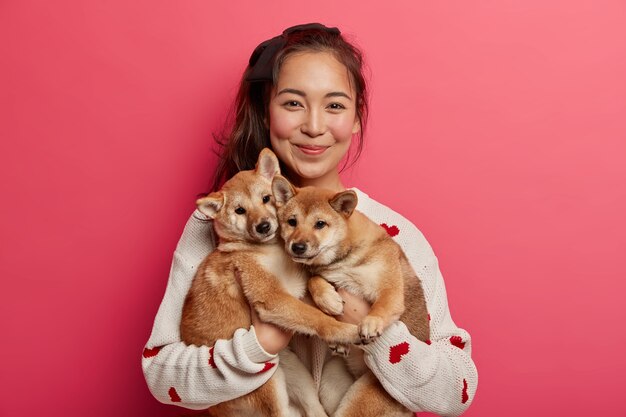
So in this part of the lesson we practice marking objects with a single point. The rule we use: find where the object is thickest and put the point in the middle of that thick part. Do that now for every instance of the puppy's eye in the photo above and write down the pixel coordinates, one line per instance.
(266, 199)
(320, 224)
(292, 222)
(240, 210)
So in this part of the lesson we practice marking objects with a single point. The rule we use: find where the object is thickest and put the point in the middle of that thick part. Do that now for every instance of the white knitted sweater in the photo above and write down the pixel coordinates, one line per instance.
(438, 376)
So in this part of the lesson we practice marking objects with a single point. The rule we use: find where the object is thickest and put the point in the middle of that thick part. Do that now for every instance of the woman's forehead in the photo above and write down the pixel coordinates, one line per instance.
(313, 73)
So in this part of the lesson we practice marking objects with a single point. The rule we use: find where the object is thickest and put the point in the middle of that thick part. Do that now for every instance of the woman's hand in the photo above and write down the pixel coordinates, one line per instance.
(355, 308)
(272, 338)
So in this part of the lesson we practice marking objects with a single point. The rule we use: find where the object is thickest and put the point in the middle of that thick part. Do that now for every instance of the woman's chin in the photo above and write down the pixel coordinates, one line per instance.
(310, 172)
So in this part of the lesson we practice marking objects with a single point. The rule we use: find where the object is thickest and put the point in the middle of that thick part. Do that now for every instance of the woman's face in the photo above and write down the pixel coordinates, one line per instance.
(312, 117)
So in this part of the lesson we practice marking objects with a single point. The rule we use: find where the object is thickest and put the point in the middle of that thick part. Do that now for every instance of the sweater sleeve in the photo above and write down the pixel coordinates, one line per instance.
(438, 375)
(198, 377)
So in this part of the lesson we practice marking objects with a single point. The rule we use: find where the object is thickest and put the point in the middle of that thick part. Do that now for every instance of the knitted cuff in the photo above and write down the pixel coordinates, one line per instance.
(253, 348)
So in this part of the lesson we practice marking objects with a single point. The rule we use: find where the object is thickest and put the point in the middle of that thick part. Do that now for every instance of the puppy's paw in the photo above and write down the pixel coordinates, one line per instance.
(370, 328)
(329, 301)
(339, 349)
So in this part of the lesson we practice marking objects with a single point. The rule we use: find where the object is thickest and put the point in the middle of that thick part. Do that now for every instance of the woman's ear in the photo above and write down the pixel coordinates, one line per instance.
(211, 204)
(282, 190)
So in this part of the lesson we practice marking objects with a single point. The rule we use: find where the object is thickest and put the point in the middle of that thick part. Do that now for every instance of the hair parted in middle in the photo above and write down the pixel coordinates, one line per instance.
(248, 133)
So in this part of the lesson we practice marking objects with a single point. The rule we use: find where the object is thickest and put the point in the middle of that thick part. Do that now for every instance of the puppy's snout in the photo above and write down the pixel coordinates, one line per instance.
(263, 228)
(298, 248)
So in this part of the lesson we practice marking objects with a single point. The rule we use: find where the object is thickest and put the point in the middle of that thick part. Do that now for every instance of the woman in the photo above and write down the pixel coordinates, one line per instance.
(304, 95)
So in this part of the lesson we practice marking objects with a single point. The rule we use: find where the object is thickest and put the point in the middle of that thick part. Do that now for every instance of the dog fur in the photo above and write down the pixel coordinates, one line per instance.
(250, 268)
(342, 248)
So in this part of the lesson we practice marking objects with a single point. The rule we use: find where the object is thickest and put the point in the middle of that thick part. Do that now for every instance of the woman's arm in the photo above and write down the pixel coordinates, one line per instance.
(199, 377)
(438, 376)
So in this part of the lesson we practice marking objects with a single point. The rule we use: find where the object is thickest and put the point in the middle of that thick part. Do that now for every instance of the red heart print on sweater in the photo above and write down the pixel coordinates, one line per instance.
(464, 396)
(211, 361)
(391, 230)
(457, 341)
(149, 353)
(174, 395)
(396, 352)
(267, 367)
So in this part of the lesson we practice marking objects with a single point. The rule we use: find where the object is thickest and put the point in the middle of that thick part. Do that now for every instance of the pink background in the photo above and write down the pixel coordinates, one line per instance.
(497, 127)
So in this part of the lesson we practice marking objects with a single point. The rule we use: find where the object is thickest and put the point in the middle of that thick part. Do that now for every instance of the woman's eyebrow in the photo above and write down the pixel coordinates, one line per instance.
(338, 94)
(303, 94)
(292, 91)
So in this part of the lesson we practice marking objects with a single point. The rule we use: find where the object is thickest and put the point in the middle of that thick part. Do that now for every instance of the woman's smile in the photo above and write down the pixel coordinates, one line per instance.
(312, 150)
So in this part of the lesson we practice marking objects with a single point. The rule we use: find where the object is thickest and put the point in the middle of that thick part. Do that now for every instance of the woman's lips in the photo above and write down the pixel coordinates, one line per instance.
(312, 150)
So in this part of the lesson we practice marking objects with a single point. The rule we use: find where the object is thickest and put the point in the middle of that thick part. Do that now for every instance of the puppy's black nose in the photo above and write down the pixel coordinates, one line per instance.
(263, 228)
(298, 248)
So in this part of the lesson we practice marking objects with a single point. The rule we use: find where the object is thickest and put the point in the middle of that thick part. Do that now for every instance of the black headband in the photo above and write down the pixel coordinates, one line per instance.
(262, 59)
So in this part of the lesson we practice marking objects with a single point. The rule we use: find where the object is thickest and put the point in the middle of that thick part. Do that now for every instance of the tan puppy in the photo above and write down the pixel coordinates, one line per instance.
(250, 256)
(342, 248)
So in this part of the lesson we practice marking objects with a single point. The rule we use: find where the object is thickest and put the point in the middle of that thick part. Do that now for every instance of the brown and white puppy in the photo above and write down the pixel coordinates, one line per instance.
(342, 248)
(250, 267)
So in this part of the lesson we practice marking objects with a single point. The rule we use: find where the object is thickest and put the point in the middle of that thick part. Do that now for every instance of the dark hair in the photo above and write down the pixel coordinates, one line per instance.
(247, 133)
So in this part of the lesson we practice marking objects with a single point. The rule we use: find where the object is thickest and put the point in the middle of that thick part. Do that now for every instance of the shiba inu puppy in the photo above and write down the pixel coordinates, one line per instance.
(250, 268)
(342, 248)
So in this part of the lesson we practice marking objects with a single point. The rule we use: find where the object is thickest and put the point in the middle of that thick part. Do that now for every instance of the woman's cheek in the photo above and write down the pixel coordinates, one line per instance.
(282, 124)
(342, 128)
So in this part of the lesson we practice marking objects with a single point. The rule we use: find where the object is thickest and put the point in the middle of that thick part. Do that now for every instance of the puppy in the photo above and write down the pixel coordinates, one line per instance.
(342, 248)
(250, 268)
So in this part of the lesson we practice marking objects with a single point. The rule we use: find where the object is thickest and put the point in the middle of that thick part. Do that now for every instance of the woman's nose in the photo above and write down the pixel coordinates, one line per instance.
(314, 124)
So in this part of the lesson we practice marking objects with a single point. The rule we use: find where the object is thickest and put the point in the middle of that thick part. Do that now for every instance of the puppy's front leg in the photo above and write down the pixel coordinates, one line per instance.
(325, 296)
(274, 305)
(330, 302)
(388, 307)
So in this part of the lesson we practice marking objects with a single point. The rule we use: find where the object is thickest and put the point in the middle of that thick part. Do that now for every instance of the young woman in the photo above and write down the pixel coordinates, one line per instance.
(303, 94)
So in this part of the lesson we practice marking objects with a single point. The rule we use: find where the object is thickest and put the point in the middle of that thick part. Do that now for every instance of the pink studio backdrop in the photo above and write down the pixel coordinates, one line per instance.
(497, 127)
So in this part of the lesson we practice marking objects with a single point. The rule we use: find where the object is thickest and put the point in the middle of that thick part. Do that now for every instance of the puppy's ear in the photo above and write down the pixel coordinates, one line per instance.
(267, 164)
(211, 204)
(344, 202)
(282, 190)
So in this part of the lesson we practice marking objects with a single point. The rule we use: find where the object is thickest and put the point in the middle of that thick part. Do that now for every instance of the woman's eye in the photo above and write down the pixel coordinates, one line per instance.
(240, 210)
(266, 199)
(292, 103)
(320, 224)
(292, 222)
(336, 106)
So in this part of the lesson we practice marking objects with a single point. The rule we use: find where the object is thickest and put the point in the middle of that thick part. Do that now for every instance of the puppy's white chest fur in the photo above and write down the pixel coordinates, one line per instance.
(290, 274)
(361, 278)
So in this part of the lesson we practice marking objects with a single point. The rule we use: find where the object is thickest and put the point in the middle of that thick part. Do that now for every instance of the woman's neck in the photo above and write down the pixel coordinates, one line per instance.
(330, 181)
